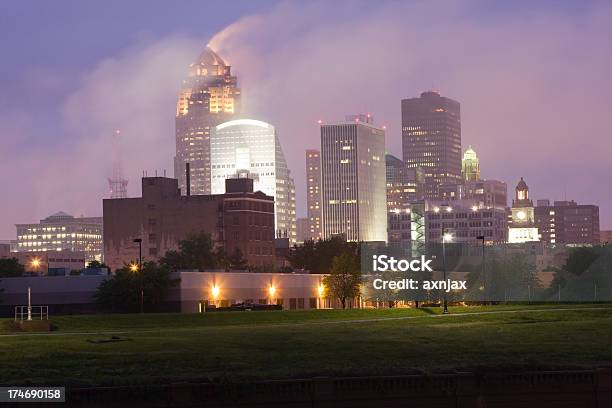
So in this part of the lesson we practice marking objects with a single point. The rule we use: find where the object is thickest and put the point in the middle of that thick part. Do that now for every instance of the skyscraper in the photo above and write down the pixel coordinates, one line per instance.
(431, 139)
(209, 96)
(470, 167)
(250, 148)
(313, 195)
(353, 187)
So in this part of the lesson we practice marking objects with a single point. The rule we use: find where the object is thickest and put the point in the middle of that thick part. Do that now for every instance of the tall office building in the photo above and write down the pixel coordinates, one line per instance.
(209, 96)
(61, 232)
(431, 139)
(313, 194)
(353, 187)
(250, 148)
(470, 166)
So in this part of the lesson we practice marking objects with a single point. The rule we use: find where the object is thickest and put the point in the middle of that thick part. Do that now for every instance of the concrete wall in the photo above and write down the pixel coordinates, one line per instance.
(293, 291)
(63, 294)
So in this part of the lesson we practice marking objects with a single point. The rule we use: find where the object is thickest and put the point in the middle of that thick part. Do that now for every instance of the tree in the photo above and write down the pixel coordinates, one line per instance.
(196, 251)
(237, 261)
(96, 264)
(317, 256)
(585, 276)
(10, 268)
(121, 292)
(580, 259)
(234, 261)
(509, 277)
(344, 278)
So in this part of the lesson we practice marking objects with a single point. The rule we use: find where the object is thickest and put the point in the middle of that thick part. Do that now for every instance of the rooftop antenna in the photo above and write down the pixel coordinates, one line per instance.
(117, 183)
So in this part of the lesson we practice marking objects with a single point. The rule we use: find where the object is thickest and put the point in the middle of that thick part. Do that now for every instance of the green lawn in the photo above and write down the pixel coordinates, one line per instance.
(257, 345)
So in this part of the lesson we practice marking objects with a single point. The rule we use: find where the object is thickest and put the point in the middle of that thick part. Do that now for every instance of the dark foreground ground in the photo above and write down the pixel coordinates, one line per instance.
(226, 348)
(226, 352)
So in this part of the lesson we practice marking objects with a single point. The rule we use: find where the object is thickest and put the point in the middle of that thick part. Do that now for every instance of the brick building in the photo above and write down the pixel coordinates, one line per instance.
(566, 222)
(239, 219)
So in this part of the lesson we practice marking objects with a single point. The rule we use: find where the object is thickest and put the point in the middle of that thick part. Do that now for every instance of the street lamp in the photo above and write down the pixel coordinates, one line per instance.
(484, 275)
(446, 237)
(139, 242)
(35, 263)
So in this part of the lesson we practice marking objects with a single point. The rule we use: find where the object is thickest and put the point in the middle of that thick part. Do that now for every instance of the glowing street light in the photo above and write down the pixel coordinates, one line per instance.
(321, 290)
(271, 290)
(215, 292)
(134, 267)
(35, 263)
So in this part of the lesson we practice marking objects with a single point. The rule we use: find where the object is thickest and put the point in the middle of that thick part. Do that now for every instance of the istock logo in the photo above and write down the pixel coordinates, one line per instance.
(383, 263)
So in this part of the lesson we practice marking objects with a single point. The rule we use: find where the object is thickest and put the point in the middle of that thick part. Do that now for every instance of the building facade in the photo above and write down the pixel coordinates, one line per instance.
(5, 249)
(465, 221)
(402, 190)
(488, 193)
(303, 230)
(568, 223)
(521, 222)
(251, 148)
(61, 232)
(209, 96)
(313, 193)
(605, 237)
(44, 263)
(353, 182)
(431, 139)
(239, 219)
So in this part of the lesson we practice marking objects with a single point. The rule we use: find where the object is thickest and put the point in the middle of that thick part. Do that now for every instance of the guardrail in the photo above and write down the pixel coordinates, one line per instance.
(31, 313)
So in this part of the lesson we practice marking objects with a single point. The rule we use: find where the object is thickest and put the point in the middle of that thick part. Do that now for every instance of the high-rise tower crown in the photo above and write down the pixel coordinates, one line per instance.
(521, 193)
(209, 95)
(470, 165)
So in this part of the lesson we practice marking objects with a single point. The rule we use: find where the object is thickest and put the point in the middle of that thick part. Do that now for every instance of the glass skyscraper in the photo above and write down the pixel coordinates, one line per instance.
(250, 148)
(209, 96)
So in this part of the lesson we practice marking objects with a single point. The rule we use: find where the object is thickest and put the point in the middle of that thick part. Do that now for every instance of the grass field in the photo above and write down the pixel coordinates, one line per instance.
(263, 345)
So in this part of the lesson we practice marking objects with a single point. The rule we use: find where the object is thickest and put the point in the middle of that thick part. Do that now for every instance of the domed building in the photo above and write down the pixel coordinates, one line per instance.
(250, 148)
(209, 96)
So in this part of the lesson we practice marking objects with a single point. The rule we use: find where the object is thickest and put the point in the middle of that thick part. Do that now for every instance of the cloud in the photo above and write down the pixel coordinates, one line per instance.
(136, 92)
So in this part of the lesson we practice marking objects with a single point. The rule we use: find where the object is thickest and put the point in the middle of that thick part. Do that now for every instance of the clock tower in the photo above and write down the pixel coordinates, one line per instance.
(522, 225)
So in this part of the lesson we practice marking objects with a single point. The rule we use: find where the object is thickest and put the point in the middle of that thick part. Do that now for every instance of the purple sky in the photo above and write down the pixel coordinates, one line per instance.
(533, 81)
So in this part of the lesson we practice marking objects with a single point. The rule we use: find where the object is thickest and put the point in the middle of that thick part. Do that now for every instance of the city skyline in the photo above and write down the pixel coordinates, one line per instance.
(535, 143)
